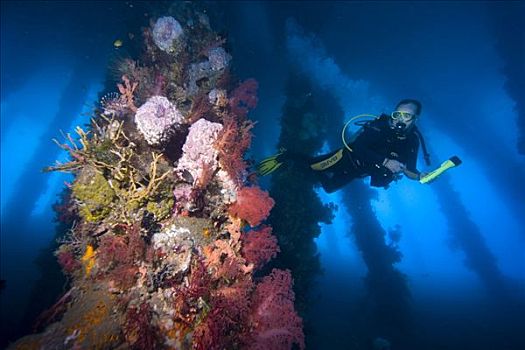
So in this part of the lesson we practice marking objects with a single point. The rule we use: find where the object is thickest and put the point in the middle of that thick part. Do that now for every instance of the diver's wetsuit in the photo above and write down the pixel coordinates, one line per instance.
(375, 142)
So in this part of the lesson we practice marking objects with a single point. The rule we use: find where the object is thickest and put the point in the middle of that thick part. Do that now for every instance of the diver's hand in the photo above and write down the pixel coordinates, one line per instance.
(422, 175)
(393, 165)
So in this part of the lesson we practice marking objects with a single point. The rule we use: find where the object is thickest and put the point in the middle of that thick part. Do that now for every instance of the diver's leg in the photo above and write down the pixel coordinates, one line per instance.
(296, 160)
(322, 157)
(332, 182)
(333, 173)
(303, 163)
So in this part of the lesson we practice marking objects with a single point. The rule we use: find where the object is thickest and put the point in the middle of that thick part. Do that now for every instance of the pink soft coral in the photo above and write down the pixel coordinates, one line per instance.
(252, 205)
(274, 323)
(259, 246)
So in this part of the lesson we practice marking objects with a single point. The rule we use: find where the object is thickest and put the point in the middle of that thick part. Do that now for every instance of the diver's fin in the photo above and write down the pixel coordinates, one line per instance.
(450, 163)
(270, 164)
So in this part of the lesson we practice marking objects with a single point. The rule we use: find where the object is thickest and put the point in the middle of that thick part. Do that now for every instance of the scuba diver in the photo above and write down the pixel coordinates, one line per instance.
(384, 149)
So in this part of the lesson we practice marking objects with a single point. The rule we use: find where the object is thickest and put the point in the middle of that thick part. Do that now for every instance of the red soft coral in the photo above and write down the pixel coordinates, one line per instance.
(187, 297)
(233, 140)
(274, 322)
(244, 98)
(65, 209)
(121, 249)
(112, 250)
(252, 205)
(235, 136)
(118, 255)
(138, 329)
(259, 246)
(226, 319)
(67, 261)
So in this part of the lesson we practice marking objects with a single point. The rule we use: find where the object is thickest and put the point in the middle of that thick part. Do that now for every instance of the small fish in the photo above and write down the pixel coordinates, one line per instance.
(118, 43)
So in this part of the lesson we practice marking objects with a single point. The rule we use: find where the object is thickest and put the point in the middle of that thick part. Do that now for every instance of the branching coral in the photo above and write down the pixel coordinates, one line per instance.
(138, 191)
(105, 148)
(109, 169)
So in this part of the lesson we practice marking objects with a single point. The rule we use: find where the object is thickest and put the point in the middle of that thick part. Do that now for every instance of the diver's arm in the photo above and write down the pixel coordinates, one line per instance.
(411, 175)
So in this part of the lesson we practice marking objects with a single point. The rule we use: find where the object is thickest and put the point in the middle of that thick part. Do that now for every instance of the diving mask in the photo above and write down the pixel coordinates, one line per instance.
(402, 116)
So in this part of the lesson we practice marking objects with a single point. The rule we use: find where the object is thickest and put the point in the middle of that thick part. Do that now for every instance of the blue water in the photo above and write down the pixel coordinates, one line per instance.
(462, 237)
